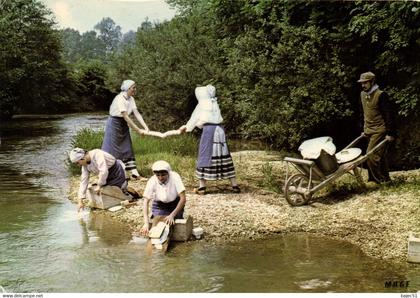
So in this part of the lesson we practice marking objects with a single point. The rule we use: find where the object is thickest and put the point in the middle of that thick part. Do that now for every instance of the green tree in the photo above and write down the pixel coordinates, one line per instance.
(31, 69)
(92, 92)
(71, 40)
(92, 47)
(109, 33)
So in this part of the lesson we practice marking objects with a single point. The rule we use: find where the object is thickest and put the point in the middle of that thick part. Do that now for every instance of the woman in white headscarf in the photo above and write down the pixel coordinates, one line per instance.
(166, 190)
(117, 140)
(109, 170)
(214, 161)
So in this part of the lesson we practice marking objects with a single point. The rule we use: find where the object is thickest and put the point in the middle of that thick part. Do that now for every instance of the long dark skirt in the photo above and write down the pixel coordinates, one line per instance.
(117, 140)
(221, 163)
(161, 208)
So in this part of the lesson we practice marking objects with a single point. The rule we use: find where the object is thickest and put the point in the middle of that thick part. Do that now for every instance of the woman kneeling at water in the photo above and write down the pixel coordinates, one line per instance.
(167, 191)
(109, 170)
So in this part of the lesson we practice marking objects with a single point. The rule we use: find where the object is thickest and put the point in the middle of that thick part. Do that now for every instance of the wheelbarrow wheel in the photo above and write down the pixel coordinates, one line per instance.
(293, 197)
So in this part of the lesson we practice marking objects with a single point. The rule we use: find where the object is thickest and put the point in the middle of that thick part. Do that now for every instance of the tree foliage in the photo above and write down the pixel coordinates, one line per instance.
(31, 71)
(109, 33)
(285, 71)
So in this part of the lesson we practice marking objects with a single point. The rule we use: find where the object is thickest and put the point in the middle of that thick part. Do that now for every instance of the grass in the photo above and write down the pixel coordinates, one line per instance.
(270, 179)
(179, 151)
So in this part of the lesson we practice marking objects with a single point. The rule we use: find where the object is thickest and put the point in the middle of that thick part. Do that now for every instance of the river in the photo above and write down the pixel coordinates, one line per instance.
(45, 246)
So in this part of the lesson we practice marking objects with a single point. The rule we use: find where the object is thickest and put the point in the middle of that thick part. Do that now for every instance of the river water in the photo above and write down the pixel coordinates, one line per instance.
(45, 246)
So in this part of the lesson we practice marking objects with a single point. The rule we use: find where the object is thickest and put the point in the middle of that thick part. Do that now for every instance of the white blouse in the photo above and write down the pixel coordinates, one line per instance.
(122, 103)
(100, 162)
(166, 192)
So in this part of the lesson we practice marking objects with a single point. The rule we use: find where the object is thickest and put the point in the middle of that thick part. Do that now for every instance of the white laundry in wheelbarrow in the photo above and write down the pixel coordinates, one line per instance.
(311, 149)
(347, 155)
(321, 150)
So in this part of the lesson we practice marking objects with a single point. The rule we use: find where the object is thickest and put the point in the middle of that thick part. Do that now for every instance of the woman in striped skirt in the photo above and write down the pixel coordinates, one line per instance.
(117, 140)
(214, 161)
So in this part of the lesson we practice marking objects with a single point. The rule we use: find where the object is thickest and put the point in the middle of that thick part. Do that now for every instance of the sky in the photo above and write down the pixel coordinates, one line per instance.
(83, 15)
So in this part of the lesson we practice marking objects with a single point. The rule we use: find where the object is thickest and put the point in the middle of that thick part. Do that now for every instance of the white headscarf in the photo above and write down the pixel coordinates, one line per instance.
(161, 188)
(76, 154)
(210, 111)
(207, 109)
(126, 85)
(161, 165)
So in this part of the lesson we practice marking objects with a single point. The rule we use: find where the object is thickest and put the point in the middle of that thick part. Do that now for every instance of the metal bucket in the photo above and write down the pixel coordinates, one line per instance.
(326, 163)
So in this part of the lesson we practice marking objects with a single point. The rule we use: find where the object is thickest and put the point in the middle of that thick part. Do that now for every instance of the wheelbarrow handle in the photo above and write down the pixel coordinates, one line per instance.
(382, 143)
(355, 141)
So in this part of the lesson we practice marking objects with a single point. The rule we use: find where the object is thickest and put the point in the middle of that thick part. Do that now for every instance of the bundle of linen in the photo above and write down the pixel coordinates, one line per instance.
(159, 134)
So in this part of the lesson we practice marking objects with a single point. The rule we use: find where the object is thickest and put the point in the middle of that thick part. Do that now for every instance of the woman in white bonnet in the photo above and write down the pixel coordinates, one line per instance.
(214, 161)
(166, 190)
(108, 169)
(117, 140)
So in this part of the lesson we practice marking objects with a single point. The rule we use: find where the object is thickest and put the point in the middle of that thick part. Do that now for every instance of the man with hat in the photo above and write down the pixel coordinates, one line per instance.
(379, 124)
(109, 170)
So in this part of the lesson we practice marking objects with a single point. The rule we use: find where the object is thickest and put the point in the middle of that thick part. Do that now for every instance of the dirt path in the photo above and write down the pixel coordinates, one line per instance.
(377, 220)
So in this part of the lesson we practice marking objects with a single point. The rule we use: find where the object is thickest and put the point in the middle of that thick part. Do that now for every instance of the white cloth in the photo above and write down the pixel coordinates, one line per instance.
(161, 165)
(122, 103)
(171, 133)
(76, 154)
(126, 85)
(166, 192)
(311, 149)
(100, 162)
(207, 109)
(347, 155)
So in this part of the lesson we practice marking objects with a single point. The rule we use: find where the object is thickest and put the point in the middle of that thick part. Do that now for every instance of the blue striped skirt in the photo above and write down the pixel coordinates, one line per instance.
(220, 164)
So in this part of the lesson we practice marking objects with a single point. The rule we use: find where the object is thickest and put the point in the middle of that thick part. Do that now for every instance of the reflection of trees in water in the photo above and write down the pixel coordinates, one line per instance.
(109, 230)
(23, 128)
(22, 202)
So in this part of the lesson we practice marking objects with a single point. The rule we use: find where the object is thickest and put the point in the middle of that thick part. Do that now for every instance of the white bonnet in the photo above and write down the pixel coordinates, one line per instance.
(206, 92)
(126, 85)
(211, 90)
(76, 154)
(161, 165)
(201, 93)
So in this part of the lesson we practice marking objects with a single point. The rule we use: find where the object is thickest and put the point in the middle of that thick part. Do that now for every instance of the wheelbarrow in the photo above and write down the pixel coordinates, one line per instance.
(299, 188)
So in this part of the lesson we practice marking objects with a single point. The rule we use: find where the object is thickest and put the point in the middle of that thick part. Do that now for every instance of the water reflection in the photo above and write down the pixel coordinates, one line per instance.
(99, 226)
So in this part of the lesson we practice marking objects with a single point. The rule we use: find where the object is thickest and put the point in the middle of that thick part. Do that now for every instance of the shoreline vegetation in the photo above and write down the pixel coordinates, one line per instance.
(378, 220)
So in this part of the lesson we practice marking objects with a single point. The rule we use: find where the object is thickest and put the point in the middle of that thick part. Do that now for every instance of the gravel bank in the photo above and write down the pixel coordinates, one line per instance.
(377, 220)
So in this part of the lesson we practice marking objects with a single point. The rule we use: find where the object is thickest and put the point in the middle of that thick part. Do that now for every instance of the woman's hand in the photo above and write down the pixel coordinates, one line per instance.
(140, 131)
(170, 220)
(182, 129)
(80, 206)
(145, 229)
(98, 190)
(389, 138)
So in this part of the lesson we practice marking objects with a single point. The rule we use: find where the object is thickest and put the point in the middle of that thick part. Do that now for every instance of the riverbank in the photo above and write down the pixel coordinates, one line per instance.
(378, 220)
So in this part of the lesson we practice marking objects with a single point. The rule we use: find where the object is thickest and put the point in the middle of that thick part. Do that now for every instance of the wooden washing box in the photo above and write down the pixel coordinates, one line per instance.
(110, 196)
(182, 229)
